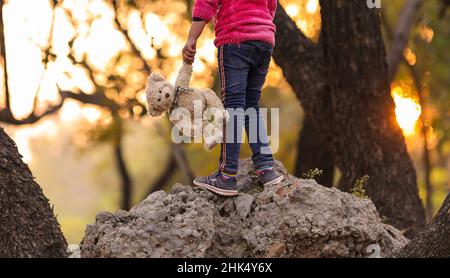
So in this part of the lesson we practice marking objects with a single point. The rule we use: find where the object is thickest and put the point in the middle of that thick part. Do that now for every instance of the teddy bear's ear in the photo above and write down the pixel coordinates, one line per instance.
(155, 77)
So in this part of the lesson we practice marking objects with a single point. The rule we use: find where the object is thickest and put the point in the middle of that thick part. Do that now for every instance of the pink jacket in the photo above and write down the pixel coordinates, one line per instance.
(239, 20)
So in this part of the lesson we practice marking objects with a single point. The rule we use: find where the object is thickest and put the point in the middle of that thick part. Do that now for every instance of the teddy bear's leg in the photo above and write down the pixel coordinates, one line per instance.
(211, 136)
(213, 102)
(181, 118)
(197, 130)
(211, 99)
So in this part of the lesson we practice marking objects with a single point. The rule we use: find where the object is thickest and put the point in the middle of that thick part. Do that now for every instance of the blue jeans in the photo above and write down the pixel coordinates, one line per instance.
(243, 69)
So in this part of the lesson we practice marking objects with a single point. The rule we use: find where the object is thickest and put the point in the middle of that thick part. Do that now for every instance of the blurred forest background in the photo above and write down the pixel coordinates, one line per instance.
(74, 101)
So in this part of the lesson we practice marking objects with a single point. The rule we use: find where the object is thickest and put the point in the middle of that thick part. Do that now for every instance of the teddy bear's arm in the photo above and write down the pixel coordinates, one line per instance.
(184, 75)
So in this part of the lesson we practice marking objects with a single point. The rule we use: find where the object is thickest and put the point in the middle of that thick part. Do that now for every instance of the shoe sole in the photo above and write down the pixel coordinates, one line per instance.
(275, 181)
(218, 191)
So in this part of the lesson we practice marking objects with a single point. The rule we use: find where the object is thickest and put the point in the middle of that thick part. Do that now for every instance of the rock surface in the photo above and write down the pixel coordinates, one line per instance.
(297, 218)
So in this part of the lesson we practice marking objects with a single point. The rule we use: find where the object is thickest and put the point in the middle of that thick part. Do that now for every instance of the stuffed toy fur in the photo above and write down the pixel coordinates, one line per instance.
(165, 97)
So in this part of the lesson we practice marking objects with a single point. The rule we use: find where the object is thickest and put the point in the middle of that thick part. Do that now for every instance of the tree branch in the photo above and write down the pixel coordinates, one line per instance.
(303, 66)
(7, 117)
(98, 98)
(401, 35)
(127, 36)
(433, 241)
(426, 153)
(6, 114)
(7, 109)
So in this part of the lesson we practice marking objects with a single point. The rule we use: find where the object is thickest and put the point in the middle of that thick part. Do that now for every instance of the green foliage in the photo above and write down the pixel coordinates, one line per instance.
(358, 188)
(312, 173)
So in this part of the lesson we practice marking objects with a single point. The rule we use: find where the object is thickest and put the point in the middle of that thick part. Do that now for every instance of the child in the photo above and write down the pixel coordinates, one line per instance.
(245, 37)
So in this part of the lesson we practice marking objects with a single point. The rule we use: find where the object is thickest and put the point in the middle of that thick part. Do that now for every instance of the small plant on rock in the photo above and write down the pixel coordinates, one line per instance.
(358, 188)
(312, 173)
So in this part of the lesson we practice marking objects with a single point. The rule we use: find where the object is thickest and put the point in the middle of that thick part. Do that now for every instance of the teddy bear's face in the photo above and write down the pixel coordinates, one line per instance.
(160, 95)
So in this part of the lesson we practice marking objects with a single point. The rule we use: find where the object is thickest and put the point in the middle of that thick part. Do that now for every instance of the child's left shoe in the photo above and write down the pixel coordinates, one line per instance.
(218, 184)
(269, 177)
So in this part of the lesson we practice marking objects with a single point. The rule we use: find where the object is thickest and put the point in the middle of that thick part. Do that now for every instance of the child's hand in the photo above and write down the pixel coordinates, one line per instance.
(189, 50)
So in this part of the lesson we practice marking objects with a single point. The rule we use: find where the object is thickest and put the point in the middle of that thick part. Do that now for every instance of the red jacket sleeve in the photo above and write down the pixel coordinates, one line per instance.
(272, 7)
(205, 9)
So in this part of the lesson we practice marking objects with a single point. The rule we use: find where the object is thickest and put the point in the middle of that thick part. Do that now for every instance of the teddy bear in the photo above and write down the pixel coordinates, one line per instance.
(196, 113)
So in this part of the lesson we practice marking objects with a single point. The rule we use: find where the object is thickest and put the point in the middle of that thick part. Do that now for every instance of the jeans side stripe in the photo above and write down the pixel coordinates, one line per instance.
(223, 86)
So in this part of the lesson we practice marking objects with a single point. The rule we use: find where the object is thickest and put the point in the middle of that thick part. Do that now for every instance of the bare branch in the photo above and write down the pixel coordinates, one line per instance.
(127, 36)
(401, 35)
(97, 98)
(6, 114)
(7, 117)
(5, 67)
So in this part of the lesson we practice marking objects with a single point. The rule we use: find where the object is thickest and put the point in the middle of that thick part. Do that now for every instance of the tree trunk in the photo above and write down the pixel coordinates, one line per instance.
(343, 85)
(368, 140)
(313, 152)
(125, 179)
(126, 182)
(166, 174)
(303, 67)
(28, 226)
(182, 162)
(434, 241)
(426, 152)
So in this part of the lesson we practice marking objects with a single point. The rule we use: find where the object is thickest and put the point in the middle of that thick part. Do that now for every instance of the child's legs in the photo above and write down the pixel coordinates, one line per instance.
(254, 121)
(233, 70)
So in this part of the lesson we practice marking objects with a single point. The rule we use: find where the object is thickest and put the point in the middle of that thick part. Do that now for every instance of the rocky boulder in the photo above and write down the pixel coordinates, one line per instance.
(297, 218)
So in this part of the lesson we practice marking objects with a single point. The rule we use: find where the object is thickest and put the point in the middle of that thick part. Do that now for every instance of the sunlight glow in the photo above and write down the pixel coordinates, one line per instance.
(426, 33)
(306, 14)
(410, 56)
(91, 114)
(292, 10)
(24, 136)
(407, 111)
(312, 6)
(23, 33)
(156, 28)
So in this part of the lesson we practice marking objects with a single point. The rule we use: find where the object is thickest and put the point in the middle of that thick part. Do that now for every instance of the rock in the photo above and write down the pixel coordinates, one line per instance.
(297, 218)
(243, 204)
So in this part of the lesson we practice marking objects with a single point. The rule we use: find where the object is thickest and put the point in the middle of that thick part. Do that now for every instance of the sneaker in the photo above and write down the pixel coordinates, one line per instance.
(269, 177)
(218, 184)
